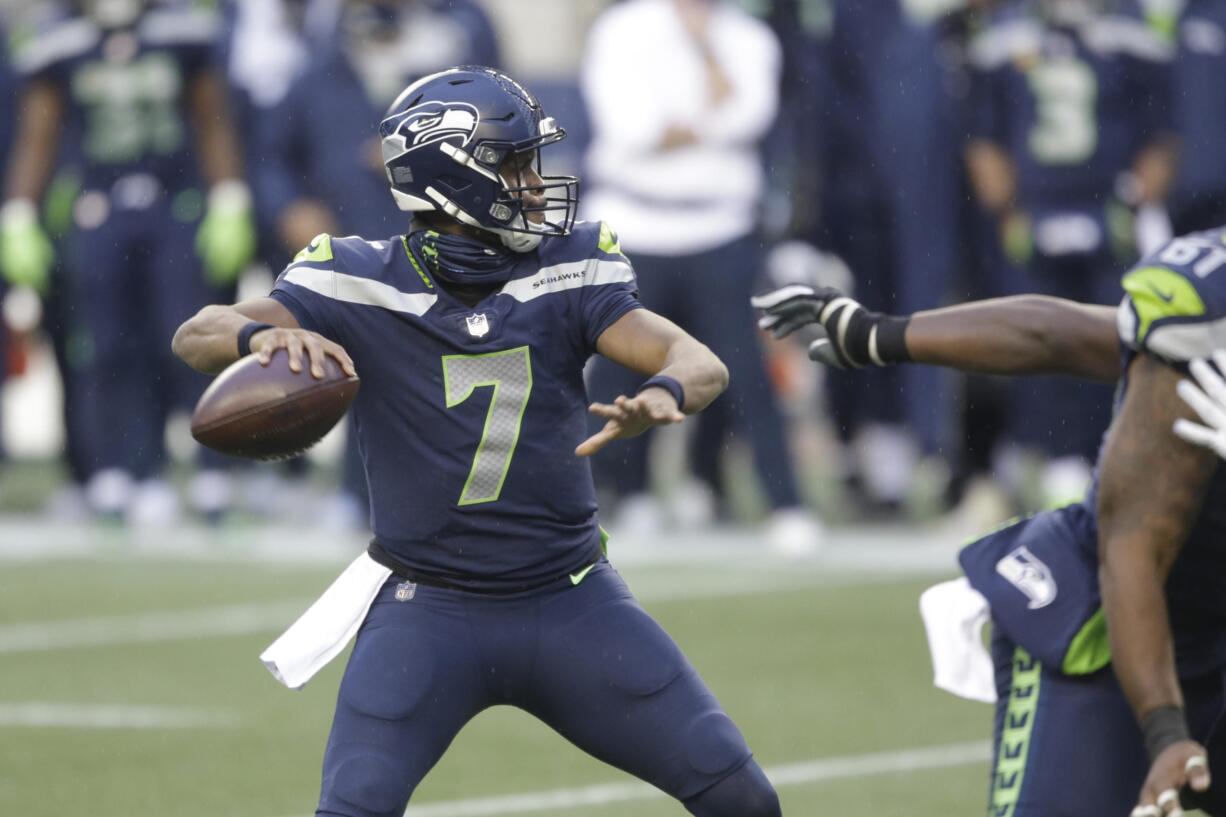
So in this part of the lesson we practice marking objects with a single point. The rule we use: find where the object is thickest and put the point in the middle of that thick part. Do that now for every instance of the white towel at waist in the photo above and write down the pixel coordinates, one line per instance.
(326, 627)
(954, 615)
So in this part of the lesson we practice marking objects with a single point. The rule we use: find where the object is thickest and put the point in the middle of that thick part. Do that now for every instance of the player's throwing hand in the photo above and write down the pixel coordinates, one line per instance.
(630, 417)
(297, 342)
(1209, 402)
(1182, 763)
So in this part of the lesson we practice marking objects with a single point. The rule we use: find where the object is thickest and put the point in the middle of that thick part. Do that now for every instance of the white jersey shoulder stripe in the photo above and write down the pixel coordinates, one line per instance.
(1123, 35)
(1004, 42)
(571, 275)
(65, 41)
(181, 27)
(354, 290)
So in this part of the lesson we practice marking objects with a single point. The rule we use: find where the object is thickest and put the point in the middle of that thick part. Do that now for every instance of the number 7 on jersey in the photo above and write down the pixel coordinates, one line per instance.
(509, 373)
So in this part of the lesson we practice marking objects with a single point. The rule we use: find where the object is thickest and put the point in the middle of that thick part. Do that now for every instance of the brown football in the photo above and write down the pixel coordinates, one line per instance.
(269, 412)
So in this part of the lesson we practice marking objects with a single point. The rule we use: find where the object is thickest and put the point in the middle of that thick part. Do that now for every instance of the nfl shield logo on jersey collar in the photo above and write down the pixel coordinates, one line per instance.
(478, 325)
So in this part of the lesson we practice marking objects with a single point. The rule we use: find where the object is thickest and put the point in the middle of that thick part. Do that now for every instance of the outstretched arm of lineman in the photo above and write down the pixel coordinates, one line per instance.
(656, 347)
(1025, 334)
(208, 342)
(1152, 485)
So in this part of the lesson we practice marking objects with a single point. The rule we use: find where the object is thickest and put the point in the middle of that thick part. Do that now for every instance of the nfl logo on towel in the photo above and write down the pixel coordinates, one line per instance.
(478, 325)
(405, 591)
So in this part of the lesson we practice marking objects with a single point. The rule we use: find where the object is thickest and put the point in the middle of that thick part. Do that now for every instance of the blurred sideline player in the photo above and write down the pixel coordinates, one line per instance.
(471, 333)
(8, 107)
(1147, 540)
(1070, 128)
(325, 174)
(888, 204)
(1198, 198)
(133, 86)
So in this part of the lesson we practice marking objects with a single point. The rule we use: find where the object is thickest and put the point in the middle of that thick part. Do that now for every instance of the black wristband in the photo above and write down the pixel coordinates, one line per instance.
(1162, 727)
(863, 338)
(669, 384)
(246, 333)
(892, 339)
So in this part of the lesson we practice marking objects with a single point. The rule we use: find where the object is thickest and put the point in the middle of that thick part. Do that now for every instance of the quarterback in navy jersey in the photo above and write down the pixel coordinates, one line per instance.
(470, 333)
(1109, 615)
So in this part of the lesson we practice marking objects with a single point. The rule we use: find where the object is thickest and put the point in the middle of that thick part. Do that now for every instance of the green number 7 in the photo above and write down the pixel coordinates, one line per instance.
(509, 373)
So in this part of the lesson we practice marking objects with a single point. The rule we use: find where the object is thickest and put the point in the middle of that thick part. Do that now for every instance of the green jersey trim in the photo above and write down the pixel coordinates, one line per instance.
(1016, 731)
(1090, 649)
(1156, 294)
(318, 251)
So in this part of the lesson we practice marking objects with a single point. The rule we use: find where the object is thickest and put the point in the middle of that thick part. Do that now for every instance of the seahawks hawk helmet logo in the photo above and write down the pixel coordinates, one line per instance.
(426, 124)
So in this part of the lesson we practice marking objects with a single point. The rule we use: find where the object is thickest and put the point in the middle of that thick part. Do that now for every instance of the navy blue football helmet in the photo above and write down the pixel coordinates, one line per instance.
(445, 139)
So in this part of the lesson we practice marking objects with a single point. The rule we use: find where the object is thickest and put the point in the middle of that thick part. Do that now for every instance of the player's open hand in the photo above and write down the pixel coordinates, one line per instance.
(630, 417)
(300, 343)
(1209, 402)
(1178, 765)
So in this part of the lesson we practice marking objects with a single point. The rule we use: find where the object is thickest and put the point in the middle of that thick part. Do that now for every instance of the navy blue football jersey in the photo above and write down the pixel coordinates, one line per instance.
(468, 416)
(1200, 104)
(1072, 106)
(126, 91)
(1175, 310)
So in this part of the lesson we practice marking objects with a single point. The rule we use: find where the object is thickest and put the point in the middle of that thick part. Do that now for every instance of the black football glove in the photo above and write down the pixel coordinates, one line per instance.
(853, 336)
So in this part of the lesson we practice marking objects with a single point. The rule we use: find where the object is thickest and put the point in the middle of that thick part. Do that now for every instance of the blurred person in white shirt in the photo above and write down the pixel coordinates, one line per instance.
(681, 94)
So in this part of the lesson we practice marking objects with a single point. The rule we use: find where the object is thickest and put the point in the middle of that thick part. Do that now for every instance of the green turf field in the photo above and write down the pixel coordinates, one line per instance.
(129, 686)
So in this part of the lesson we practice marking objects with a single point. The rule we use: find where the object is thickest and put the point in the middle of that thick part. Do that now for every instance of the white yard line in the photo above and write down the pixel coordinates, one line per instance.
(153, 626)
(272, 617)
(903, 761)
(914, 549)
(43, 714)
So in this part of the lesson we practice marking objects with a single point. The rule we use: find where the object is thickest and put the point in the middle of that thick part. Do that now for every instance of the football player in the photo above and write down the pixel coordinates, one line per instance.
(471, 333)
(1198, 197)
(1070, 130)
(8, 106)
(1133, 578)
(129, 90)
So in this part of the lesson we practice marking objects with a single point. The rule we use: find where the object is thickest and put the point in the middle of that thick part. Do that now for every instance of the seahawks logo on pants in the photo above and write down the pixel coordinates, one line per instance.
(1029, 574)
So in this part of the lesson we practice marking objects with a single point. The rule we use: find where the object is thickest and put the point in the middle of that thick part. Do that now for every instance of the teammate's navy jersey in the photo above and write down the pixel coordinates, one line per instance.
(126, 91)
(1200, 106)
(1072, 106)
(1175, 310)
(468, 416)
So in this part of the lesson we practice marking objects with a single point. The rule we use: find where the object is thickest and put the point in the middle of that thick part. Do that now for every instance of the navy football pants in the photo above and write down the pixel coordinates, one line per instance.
(586, 659)
(1068, 746)
(131, 282)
